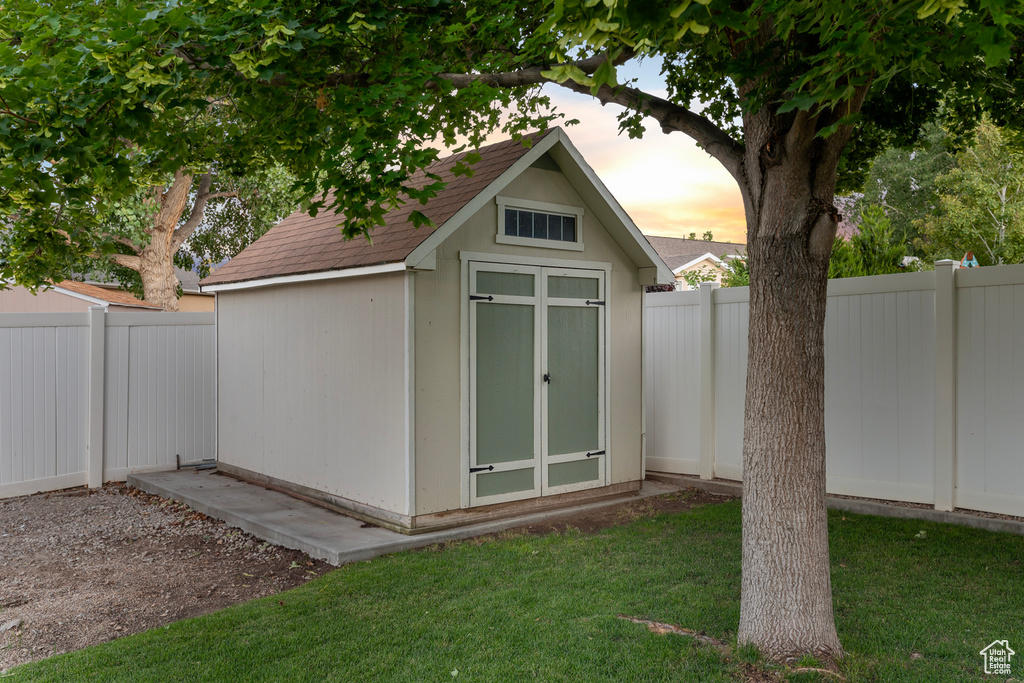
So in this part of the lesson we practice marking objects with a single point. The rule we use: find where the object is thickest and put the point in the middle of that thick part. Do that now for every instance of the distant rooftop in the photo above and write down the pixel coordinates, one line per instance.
(113, 296)
(677, 252)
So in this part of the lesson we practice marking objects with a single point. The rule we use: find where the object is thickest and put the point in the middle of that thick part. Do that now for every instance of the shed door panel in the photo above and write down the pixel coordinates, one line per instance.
(504, 395)
(573, 436)
(536, 381)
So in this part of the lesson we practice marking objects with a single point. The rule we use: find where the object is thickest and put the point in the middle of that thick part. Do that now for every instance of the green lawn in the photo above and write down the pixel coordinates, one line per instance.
(528, 608)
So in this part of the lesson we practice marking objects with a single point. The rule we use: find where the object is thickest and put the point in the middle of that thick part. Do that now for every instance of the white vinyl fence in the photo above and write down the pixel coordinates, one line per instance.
(924, 385)
(90, 397)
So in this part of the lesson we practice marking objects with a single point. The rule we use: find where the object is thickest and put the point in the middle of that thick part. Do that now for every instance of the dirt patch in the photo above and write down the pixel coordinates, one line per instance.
(589, 521)
(83, 567)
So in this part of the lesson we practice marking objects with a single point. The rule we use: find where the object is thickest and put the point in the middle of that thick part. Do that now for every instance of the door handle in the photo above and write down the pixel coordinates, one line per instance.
(547, 377)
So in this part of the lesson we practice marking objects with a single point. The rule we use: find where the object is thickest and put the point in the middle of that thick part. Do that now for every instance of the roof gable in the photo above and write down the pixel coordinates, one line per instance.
(302, 245)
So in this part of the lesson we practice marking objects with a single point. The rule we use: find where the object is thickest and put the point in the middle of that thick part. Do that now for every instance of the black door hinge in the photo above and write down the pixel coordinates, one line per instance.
(481, 469)
(594, 303)
(474, 297)
(595, 453)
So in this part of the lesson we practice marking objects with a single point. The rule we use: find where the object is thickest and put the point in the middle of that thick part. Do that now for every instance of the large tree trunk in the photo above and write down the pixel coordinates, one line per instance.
(156, 268)
(786, 604)
(155, 261)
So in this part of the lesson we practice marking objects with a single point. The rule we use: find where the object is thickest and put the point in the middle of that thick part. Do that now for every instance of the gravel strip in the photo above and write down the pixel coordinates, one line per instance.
(83, 567)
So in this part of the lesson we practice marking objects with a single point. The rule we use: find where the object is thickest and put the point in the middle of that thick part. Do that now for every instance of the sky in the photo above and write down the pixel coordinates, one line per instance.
(667, 185)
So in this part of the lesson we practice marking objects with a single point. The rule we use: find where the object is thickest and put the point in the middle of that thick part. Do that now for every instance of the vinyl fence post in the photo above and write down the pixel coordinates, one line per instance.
(707, 380)
(97, 354)
(945, 384)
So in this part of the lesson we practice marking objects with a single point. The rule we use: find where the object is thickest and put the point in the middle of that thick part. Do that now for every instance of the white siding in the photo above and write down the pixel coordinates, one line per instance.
(312, 379)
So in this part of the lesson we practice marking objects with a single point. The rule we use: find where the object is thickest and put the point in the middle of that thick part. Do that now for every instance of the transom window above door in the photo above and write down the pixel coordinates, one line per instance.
(539, 224)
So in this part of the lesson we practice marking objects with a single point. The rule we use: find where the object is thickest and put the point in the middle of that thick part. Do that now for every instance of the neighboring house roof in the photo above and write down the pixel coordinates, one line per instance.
(302, 244)
(681, 254)
(189, 279)
(101, 295)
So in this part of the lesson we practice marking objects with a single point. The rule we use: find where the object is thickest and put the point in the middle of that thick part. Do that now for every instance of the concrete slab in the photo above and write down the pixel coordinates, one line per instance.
(323, 533)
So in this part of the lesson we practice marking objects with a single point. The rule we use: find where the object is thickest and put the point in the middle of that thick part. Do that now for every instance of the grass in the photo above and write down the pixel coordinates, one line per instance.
(909, 607)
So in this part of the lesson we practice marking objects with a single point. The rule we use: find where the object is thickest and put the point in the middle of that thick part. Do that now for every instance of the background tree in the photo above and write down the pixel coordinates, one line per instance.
(797, 95)
(902, 182)
(980, 203)
(218, 218)
(874, 249)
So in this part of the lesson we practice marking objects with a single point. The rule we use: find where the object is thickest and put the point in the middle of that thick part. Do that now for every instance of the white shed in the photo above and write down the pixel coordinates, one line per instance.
(442, 376)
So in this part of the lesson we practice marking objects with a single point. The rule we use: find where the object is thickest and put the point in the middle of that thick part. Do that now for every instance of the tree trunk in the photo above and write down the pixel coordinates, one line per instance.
(786, 604)
(156, 268)
(156, 260)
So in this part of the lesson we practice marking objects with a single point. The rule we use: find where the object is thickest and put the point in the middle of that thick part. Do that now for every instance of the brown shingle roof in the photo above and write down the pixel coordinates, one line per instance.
(303, 244)
(677, 252)
(114, 296)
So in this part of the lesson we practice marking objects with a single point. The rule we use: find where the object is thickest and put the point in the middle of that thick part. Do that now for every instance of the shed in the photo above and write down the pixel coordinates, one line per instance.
(440, 376)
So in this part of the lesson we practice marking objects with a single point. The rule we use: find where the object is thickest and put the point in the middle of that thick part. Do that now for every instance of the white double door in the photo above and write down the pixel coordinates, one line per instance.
(537, 381)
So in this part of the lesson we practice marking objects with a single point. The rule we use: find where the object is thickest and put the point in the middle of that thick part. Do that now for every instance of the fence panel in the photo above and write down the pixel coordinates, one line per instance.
(672, 372)
(880, 386)
(157, 400)
(732, 313)
(43, 384)
(888, 434)
(990, 390)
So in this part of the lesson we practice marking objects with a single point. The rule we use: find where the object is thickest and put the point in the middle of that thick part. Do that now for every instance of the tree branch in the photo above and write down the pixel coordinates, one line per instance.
(133, 262)
(125, 241)
(203, 195)
(508, 79)
(7, 110)
(674, 117)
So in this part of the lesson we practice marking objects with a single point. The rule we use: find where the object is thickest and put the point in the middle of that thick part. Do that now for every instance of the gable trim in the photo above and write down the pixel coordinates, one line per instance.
(570, 160)
(307, 277)
(427, 247)
(82, 297)
(689, 264)
(573, 166)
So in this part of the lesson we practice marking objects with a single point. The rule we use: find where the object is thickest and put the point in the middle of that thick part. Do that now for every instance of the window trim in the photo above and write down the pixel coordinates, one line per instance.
(544, 207)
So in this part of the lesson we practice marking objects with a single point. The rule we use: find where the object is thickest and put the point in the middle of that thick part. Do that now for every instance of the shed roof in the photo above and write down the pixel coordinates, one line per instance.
(305, 244)
(306, 248)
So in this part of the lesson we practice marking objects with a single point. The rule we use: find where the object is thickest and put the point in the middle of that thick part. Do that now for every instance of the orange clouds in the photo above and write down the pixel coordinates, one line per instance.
(667, 184)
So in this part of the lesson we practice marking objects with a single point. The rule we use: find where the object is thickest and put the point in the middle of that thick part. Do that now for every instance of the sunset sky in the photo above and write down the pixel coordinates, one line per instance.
(664, 182)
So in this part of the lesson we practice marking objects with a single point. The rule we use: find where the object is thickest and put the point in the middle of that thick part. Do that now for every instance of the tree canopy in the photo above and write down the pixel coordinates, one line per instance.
(86, 84)
(793, 97)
